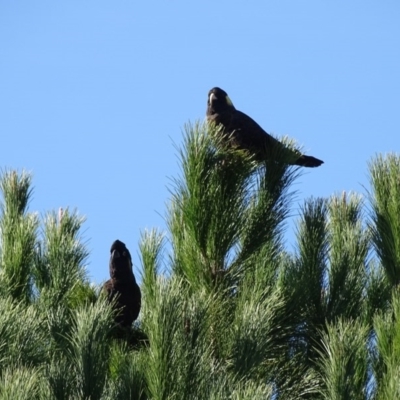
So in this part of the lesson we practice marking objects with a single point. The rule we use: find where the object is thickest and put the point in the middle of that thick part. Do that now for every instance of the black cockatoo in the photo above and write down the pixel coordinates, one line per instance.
(242, 132)
(122, 287)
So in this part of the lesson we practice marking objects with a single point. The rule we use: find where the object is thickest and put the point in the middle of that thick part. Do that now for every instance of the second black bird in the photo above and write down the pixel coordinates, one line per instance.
(244, 133)
(122, 287)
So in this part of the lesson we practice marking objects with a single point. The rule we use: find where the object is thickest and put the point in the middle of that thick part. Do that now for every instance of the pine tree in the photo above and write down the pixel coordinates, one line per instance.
(228, 312)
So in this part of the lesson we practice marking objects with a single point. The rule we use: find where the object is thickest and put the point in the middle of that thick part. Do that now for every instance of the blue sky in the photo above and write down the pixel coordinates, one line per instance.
(94, 94)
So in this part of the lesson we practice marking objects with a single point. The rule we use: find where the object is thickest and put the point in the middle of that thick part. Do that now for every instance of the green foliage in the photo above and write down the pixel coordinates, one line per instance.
(227, 311)
(384, 176)
(23, 384)
(344, 362)
(387, 354)
(17, 237)
(22, 334)
(89, 350)
(59, 271)
(226, 210)
(127, 373)
(208, 207)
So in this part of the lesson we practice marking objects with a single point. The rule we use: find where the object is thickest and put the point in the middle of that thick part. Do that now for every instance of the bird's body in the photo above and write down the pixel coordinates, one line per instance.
(244, 133)
(122, 287)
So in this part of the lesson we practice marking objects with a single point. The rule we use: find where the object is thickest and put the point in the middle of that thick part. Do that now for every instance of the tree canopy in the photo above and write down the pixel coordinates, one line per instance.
(227, 311)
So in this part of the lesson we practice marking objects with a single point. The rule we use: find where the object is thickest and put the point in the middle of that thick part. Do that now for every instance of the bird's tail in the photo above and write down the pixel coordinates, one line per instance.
(308, 161)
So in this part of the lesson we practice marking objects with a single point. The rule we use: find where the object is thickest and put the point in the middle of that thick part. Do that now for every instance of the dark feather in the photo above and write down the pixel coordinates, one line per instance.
(244, 133)
(122, 287)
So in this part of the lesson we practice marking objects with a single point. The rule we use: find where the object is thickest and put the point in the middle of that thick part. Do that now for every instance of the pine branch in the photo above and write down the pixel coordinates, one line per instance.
(344, 360)
(385, 214)
(18, 236)
(60, 275)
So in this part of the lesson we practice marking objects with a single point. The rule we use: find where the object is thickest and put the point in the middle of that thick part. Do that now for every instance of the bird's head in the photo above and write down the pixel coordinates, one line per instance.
(218, 101)
(120, 260)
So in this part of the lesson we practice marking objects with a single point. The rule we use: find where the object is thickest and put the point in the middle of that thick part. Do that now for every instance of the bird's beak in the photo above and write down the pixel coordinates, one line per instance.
(115, 254)
(212, 98)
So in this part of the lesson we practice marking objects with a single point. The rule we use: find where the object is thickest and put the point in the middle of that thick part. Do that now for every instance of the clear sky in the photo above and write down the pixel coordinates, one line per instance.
(93, 94)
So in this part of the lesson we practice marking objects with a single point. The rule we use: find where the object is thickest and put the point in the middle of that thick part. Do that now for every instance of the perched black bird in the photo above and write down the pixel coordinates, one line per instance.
(122, 286)
(244, 133)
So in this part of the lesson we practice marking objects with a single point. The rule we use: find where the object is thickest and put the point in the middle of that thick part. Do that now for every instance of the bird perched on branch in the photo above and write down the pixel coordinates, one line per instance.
(242, 132)
(122, 287)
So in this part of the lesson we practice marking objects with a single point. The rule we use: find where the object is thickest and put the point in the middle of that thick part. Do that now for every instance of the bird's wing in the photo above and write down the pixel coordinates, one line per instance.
(249, 135)
(108, 288)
